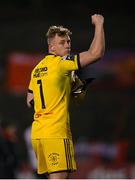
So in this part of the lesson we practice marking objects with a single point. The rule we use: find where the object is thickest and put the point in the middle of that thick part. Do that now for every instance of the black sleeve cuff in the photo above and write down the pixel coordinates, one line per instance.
(30, 91)
(78, 61)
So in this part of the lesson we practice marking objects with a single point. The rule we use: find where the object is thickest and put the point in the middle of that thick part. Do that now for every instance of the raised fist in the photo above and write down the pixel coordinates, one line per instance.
(97, 19)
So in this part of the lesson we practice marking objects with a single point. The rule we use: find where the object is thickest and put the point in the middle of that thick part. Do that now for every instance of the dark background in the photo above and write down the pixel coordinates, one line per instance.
(107, 114)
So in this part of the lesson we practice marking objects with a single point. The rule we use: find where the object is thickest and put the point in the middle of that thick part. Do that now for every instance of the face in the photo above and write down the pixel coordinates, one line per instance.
(60, 45)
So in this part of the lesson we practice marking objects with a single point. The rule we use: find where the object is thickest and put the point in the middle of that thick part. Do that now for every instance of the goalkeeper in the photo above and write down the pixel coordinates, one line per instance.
(49, 92)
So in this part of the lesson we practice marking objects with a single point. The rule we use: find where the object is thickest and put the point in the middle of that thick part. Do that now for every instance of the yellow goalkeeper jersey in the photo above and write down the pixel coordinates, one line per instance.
(51, 84)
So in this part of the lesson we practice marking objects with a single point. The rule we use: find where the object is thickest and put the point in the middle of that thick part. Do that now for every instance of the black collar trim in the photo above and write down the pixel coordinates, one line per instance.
(50, 54)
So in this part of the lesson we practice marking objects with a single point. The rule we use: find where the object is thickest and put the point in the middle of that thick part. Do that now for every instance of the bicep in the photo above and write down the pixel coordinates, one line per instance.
(87, 57)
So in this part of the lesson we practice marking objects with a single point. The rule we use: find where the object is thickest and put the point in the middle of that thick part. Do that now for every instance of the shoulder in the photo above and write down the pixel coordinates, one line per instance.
(70, 57)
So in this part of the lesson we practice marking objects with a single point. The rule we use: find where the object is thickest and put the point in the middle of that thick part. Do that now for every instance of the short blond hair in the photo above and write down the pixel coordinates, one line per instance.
(59, 30)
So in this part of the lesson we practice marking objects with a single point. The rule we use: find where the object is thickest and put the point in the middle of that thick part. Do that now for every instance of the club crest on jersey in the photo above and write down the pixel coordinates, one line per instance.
(39, 72)
(68, 57)
(54, 158)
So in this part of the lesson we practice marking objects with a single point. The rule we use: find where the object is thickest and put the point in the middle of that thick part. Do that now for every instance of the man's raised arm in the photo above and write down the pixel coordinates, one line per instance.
(97, 47)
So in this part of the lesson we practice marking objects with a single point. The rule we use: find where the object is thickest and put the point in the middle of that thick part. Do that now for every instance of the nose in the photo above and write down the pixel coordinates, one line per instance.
(67, 44)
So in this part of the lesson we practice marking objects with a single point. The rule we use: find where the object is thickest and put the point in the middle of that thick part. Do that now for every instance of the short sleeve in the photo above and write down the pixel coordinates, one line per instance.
(71, 63)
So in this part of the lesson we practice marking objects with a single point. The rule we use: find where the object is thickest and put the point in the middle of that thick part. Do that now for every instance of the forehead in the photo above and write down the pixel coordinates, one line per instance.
(61, 38)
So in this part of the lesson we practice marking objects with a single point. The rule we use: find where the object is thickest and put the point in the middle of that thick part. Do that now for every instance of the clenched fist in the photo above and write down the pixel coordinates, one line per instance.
(97, 19)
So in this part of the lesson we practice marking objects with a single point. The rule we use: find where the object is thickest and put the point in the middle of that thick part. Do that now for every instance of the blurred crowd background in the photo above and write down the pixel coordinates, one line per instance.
(103, 124)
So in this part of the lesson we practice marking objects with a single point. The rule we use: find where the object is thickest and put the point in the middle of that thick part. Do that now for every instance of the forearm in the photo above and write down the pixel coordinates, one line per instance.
(97, 47)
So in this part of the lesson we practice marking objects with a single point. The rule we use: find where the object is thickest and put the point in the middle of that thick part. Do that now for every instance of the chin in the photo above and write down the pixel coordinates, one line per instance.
(66, 53)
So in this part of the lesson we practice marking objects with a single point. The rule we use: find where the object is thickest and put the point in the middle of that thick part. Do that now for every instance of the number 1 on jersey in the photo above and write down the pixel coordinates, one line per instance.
(41, 93)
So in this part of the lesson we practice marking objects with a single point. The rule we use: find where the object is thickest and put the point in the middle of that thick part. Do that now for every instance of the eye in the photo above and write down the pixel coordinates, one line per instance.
(62, 42)
(68, 41)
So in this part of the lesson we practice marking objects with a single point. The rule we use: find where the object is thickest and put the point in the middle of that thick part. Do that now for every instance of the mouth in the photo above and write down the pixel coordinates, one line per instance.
(68, 49)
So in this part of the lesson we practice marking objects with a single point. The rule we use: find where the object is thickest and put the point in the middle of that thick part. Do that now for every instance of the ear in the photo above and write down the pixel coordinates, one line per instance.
(51, 47)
